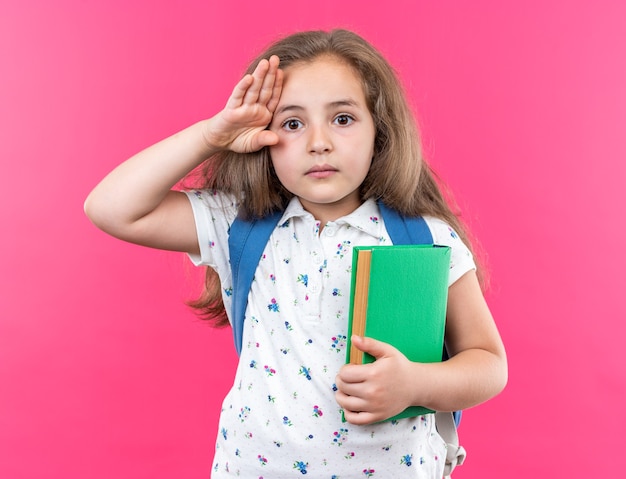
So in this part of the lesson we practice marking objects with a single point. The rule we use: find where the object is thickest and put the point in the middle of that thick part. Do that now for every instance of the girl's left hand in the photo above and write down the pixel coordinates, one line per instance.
(373, 392)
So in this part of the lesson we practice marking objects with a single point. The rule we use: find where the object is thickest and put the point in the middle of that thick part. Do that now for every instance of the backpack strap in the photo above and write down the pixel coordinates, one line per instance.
(246, 240)
(405, 229)
(455, 453)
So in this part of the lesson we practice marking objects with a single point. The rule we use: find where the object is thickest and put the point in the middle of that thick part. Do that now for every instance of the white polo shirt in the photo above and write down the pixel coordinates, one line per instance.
(281, 419)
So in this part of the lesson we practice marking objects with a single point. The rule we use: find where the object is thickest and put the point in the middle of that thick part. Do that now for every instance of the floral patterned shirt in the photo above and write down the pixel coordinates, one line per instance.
(281, 419)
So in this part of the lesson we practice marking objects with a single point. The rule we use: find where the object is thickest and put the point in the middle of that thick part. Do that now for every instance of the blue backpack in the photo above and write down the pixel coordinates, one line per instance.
(246, 242)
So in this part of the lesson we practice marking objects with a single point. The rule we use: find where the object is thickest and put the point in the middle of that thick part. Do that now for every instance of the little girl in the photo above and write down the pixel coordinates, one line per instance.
(321, 139)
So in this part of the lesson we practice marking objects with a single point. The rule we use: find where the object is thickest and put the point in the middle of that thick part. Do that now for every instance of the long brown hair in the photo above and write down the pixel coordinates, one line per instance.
(398, 176)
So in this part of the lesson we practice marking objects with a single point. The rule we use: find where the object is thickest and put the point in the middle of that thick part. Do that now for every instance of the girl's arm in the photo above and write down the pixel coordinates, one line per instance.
(135, 202)
(476, 372)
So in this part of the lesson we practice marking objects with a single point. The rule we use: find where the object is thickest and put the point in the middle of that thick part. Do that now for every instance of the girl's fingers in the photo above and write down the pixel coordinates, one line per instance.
(269, 81)
(262, 87)
(276, 91)
(239, 92)
(258, 77)
(360, 418)
(264, 79)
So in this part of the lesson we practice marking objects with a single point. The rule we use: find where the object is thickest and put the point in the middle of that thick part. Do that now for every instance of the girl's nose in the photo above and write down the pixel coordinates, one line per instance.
(319, 140)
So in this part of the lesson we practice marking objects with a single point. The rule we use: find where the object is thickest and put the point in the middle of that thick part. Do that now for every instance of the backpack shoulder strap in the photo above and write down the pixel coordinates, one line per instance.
(246, 241)
(447, 429)
(405, 229)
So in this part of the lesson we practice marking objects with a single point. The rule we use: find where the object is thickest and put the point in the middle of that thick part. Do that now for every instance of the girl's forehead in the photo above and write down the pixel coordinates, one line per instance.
(321, 64)
(324, 75)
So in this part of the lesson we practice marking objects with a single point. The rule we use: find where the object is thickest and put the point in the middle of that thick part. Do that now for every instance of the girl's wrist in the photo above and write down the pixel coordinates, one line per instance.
(423, 392)
(210, 141)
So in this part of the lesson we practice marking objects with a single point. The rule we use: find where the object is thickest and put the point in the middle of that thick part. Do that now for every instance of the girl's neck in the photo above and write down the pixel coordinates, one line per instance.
(326, 212)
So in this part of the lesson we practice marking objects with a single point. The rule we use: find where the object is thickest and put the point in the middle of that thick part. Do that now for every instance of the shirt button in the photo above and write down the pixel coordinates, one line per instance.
(330, 231)
(314, 289)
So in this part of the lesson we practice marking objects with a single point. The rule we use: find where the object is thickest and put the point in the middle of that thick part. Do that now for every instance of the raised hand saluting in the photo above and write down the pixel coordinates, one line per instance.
(241, 125)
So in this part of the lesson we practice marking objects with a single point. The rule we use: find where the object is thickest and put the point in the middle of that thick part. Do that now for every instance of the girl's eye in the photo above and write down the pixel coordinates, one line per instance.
(292, 124)
(344, 120)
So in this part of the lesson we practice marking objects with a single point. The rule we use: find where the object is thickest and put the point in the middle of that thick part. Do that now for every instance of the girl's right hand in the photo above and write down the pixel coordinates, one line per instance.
(241, 125)
(135, 202)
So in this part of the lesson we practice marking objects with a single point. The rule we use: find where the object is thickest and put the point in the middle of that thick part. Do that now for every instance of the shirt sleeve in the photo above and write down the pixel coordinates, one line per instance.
(461, 259)
(213, 213)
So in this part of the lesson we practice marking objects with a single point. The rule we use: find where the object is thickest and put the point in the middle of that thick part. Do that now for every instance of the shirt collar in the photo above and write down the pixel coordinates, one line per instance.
(365, 218)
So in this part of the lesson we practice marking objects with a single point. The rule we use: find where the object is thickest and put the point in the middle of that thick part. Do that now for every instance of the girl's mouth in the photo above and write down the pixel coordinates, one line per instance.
(321, 171)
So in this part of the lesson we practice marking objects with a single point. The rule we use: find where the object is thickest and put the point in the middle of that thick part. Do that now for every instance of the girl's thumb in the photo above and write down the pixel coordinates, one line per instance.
(372, 346)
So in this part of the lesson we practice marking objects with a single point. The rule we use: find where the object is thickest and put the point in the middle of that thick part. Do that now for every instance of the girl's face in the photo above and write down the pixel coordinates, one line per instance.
(326, 137)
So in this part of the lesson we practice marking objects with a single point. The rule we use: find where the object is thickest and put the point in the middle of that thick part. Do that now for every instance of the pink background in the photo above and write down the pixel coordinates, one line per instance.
(103, 370)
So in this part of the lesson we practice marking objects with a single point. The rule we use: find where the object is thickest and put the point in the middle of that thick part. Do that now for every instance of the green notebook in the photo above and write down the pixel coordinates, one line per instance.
(402, 293)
